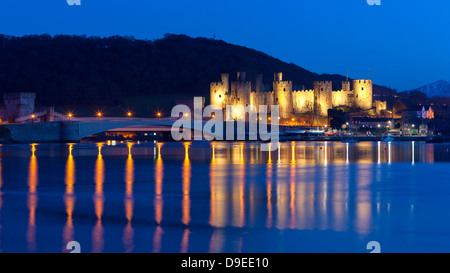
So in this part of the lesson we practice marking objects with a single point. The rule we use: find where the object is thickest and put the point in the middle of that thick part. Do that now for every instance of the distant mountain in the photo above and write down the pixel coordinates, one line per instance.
(436, 89)
(80, 70)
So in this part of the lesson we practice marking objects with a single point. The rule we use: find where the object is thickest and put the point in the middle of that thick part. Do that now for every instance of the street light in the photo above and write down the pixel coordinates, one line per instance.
(129, 114)
(70, 115)
(158, 114)
(99, 114)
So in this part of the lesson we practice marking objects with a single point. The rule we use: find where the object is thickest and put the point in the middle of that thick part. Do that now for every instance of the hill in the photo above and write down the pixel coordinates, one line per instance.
(436, 89)
(94, 71)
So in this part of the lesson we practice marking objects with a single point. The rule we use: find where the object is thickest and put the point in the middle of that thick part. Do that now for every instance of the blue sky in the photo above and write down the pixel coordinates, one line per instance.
(404, 43)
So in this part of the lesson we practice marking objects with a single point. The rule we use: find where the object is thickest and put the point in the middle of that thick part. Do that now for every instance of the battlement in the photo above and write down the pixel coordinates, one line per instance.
(323, 82)
(213, 84)
(261, 92)
(362, 81)
(15, 96)
(341, 91)
(304, 91)
(283, 82)
(241, 83)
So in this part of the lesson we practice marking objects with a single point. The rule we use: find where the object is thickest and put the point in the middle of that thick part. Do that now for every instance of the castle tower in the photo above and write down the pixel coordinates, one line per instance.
(219, 91)
(258, 83)
(323, 97)
(362, 91)
(283, 95)
(18, 104)
(346, 86)
(240, 90)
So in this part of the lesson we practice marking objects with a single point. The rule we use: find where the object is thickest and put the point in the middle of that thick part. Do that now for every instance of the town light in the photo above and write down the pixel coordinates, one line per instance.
(129, 114)
(158, 114)
(186, 115)
(70, 115)
(33, 116)
(99, 114)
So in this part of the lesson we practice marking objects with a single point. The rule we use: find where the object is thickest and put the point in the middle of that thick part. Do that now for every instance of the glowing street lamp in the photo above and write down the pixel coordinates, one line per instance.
(158, 114)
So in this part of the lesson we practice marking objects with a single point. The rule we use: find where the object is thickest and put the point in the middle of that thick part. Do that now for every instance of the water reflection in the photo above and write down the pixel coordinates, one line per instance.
(158, 201)
(32, 199)
(99, 200)
(218, 197)
(186, 200)
(322, 186)
(128, 232)
(69, 199)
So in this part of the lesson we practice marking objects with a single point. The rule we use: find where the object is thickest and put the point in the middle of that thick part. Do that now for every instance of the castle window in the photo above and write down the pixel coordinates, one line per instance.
(284, 89)
(321, 89)
(276, 99)
(362, 88)
(220, 96)
(215, 91)
(239, 99)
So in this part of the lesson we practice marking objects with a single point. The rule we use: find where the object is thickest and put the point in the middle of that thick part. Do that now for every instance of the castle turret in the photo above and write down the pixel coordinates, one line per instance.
(346, 86)
(240, 91)
(362, 91)
(283, 95)
(258, 83)
(219, 91)
(322, 97)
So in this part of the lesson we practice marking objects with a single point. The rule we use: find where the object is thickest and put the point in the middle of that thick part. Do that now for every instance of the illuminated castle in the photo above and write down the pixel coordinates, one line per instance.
(291, 102)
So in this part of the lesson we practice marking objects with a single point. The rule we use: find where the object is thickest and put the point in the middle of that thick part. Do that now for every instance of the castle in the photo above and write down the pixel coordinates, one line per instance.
(292, 102)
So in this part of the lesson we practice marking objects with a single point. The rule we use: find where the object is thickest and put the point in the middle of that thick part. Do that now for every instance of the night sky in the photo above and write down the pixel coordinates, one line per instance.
(404, 43)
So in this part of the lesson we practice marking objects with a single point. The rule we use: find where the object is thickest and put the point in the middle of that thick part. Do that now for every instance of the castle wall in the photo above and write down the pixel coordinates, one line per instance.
(362, 90)
(18, 104)
(219, 91)
(303, 101)
(380, 106)
(340, 98)
(318, 100)
(262, 98)
(323, 97)
(240, 92)
(283, 96)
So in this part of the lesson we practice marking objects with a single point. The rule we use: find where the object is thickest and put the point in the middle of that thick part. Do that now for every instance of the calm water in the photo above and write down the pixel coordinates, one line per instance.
(225, 197)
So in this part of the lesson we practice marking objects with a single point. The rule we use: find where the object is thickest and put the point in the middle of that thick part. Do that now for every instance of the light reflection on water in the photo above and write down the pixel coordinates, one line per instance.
(221, 197)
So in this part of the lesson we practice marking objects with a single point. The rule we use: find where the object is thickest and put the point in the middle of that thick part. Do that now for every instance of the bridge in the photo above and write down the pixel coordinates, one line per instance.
(73, 130)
